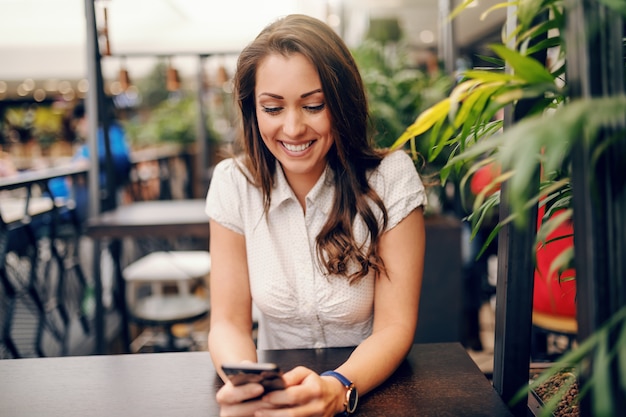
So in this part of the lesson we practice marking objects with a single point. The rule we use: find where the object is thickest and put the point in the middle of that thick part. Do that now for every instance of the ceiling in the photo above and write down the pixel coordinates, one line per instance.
(46, 38)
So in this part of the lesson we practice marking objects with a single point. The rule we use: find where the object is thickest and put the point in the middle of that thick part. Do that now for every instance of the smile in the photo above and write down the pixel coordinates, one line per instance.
(297, 148)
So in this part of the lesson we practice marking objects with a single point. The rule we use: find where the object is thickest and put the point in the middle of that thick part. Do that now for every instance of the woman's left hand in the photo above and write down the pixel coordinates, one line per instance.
(307, 394)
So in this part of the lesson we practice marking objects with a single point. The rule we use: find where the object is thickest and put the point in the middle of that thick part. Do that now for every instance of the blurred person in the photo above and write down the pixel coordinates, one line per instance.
(319, 232)
(120, 154)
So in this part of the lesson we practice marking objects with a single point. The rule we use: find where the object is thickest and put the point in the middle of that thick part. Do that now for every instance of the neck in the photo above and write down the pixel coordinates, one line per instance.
(301, 185)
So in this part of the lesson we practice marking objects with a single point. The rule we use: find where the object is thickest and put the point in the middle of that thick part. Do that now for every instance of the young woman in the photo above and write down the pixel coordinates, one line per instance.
(320, 231)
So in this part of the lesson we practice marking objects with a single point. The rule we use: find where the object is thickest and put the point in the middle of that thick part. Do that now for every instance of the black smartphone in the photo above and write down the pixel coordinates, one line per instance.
(267, 374)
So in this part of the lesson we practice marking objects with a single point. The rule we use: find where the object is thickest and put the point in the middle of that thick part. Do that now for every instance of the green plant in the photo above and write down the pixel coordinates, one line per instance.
(153, 86)
(397, 90)
(171, 121)
(163, 116)
(540, 145)
(385, 30)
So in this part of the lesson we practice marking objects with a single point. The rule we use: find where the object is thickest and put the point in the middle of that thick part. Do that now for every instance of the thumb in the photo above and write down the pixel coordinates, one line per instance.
(296, 375)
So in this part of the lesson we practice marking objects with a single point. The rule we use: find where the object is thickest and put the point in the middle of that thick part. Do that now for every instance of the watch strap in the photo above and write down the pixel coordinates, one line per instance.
(350, 390)
(345, 381)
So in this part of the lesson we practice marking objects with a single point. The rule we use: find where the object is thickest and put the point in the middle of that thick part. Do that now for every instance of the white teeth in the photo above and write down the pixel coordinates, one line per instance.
(297, 148)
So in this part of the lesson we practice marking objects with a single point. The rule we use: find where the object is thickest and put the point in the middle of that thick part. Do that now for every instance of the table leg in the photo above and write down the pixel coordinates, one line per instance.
(115, 247)
(99, 310)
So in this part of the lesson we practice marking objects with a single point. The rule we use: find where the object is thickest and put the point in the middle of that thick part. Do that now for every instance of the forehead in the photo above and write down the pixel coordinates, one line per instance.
(279, 74)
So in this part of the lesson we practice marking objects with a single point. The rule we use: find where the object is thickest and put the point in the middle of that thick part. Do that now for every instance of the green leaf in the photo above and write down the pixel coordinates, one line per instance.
(494, 233)
(621, 356)
(485, 146)
(423, 122)
(458, 9)
(437, 141)
(544, 44)
(527, 10)
(498, 6)
(498, 62)
(444, 173)
(491, 187)
(553, 223)
(541, 28)
(486, 210)
(524, 67)
(491, 76)
(471, 116)
(561, 262)
(602, 398)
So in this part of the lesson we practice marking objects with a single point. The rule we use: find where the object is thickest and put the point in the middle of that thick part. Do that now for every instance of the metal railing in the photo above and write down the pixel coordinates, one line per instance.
(42, 284)
(46, 282)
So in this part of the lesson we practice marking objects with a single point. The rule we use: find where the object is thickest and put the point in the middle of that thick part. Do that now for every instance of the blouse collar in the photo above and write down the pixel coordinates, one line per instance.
(320, 196)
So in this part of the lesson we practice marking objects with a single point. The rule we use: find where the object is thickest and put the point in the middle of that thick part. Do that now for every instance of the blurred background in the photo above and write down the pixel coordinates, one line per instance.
(156, 54)
(46, 39)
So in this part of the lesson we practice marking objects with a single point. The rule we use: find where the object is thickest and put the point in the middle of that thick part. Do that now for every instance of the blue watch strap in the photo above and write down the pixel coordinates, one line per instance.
(352, 395)
(345, 381)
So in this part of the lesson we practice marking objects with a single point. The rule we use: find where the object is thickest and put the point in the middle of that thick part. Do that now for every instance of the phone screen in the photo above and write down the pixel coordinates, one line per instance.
(267, 374)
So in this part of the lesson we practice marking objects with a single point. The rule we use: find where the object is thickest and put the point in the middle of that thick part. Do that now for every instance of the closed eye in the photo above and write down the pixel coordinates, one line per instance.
(315, 109)
(310, 109)
(272, 110)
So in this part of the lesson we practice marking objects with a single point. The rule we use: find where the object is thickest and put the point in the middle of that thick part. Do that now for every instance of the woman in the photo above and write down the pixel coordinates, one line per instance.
(321, 232)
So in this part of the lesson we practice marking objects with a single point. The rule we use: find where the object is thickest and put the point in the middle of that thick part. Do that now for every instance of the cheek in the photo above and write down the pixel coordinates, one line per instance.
(325, 128)
(268, 131)
(266, 124)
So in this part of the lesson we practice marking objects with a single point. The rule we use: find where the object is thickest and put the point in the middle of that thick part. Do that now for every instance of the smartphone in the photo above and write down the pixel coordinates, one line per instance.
(267, 374)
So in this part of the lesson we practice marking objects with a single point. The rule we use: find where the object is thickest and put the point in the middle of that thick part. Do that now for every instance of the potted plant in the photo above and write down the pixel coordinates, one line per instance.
(535, 156)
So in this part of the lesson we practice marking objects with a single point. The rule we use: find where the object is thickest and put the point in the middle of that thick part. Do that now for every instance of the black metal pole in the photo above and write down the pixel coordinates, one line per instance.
(515, 284)
(92, 105)
(202, 142)
(596, 68)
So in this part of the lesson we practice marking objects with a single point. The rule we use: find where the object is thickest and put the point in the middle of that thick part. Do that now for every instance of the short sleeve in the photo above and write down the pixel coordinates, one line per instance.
(399, 185)
(223, 201)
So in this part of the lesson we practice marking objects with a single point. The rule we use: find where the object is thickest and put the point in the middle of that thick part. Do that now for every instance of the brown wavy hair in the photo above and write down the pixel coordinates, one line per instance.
(350, 158)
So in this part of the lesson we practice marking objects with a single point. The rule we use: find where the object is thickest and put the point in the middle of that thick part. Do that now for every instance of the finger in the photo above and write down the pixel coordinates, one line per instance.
(230, 394)
(245, 409)
(311, 409)
(296, 375)
(309, 389)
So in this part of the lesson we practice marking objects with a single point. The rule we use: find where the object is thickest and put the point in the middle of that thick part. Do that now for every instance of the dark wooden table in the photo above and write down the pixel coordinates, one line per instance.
(435, 380)
(144, 219)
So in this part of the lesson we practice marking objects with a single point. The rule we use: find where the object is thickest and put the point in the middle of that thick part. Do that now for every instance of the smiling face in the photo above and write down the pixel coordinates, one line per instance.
(293, 118)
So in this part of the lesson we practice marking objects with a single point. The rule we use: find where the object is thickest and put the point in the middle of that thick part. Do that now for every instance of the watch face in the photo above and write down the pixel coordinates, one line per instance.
(353, 399)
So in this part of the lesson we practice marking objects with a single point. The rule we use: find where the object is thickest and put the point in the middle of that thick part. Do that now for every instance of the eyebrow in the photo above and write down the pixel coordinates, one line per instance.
(305, 95)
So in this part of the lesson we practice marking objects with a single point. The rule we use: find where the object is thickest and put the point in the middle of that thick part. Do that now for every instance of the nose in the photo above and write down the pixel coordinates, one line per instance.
(294, 124)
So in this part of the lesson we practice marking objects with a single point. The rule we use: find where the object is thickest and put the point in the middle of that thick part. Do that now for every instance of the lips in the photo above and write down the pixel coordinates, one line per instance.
(297, 147)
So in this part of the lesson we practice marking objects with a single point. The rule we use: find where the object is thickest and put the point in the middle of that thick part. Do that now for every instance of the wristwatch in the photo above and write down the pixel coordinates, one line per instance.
(352, 395)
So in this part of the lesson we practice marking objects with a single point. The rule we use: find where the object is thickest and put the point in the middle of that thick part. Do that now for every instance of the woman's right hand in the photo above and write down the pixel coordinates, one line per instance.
(242, 400)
